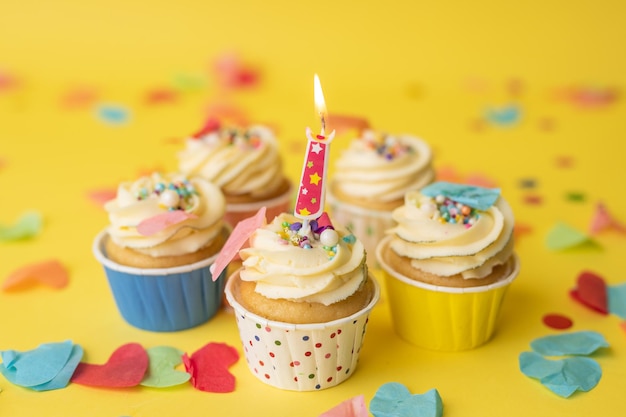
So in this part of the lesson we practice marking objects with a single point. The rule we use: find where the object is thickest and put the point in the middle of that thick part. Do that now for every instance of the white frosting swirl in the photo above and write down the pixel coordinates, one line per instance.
(284, 270)
(137, 201)
(239, 161)
(446, 249)
(385, 168)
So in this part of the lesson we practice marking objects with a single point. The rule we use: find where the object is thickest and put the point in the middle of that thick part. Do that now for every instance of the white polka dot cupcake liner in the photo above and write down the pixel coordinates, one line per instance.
(238, 212)
(301, 357)
(163, 299)
(369, 226)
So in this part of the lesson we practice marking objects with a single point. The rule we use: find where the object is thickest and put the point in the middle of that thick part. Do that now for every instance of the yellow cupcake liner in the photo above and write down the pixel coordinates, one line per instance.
(443, 318)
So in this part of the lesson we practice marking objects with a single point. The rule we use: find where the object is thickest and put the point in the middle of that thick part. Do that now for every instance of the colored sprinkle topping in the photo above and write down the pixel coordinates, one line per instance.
(236, 136)
(172, 195)
(324, 237)
(447, 210)
(388, 147)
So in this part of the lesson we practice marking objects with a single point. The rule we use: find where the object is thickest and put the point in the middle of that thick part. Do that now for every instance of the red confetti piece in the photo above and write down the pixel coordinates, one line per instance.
(126, 367)
(603, 220)
(162, 221)
(51, 273)
(238, 237)
(102, 195)
(591, 291)
(211, 125)
(232, 73)
(521, 229)
(533, 199)
(209, 365)
(557, 321)
(161, 96)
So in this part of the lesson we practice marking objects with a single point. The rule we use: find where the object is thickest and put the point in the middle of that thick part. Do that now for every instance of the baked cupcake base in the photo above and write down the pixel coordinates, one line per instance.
(301, 357)
(443, 318)
(162, 299)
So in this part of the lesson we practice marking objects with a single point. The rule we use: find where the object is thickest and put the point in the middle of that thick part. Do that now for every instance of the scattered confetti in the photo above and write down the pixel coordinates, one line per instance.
(617, 300)
(563, 236)
(102, 195)
(504, 116)
(238, 237)
(189, 82)
(603, 220)
(155, 224)
(28, 225)
(589, 97)
(125, 368)
(521, 229)
(209, 365)
(342, 123)
(113, 114)
(79, 97)
(562, 376)
(48, 367)
(574, 196)
(564, 161)
(576, 343)
(533, 199)
(232, 73)
(395, 400)
(50, 272)
(161, 96)
(227, 114)
(353, 407)
(527, 183)
(591, 291)
(8, 81)
(161, 372)
(557, 321)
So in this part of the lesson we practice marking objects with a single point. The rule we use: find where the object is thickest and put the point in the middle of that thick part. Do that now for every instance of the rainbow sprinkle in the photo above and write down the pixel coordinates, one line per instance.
(386, 146)
(173, 195)
(450, 211)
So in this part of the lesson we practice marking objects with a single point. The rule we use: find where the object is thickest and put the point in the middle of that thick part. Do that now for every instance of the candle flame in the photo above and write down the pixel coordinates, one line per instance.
(320, 103)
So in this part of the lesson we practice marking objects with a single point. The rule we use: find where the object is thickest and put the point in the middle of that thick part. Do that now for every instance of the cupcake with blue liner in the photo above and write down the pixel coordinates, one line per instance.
(447, 264)
(165, 232)
(371, 178)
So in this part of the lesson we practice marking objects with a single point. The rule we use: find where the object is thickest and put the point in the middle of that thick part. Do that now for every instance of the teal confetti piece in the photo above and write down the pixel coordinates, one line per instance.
(113, 114)
(617, 300)
(576, 343)
(504, 116)
(476, 197)
(395, 400)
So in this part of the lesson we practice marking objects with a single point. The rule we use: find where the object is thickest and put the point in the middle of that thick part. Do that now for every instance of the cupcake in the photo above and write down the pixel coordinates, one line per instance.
(370, 180)
(165, 231)
(244, 162)
(302, 302)
(448, 264)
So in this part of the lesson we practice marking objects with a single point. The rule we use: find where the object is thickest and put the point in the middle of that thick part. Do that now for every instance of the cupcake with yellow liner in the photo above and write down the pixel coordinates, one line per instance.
(164, 233)
(244, 162)
(447, 265)
(370, 180)
(301, 301)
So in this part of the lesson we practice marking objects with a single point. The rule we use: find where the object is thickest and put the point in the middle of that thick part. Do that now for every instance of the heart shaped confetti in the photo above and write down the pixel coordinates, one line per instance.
(576, 343)
(209, 365)
(125, 368)
(162, 221)
(51, 273)
(603, 220)
(591, 291)
(161, 372)
(395, 400)
(353, 407)
(562, 376)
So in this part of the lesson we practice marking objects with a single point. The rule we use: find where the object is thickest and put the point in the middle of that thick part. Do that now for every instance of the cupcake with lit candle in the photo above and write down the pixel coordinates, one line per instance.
(164, 233)
(371, 178)
(448, 263)
(244, 162)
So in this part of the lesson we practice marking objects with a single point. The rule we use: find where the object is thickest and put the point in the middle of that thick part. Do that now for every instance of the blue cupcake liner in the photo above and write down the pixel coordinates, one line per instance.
(163, 299)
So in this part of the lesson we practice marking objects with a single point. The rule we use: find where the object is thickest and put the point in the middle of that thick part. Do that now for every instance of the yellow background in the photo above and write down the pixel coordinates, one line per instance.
(427, 68)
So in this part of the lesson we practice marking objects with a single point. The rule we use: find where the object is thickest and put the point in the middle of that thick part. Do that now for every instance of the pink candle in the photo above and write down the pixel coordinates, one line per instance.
(311, 192)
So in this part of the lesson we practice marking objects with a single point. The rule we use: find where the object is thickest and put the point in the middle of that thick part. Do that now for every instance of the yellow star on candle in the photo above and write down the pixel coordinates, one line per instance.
(315, 179)
(309, 164)
(304, 212)
(313, 200)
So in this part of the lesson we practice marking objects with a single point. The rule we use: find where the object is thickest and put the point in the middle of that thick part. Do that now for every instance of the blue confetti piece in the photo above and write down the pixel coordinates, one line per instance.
(113, 114)
(476, 197)
(504, 116)
(395, 400)
(616, 296)
(577, 343)
(563, 376)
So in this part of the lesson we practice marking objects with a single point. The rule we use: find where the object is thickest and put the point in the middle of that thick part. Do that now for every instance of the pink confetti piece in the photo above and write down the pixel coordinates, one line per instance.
(102, 195)
(238, 237)
(352, 407)
(233, 73)
(50, 272)
(160, 222)
(209, 365)
(557, 321)
(8, 81)
(603, 220)
(586, 97)
(591, 291)
(126, 367)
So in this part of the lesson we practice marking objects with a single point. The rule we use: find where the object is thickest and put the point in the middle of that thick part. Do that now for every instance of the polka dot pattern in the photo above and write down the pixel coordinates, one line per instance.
(302, 357)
